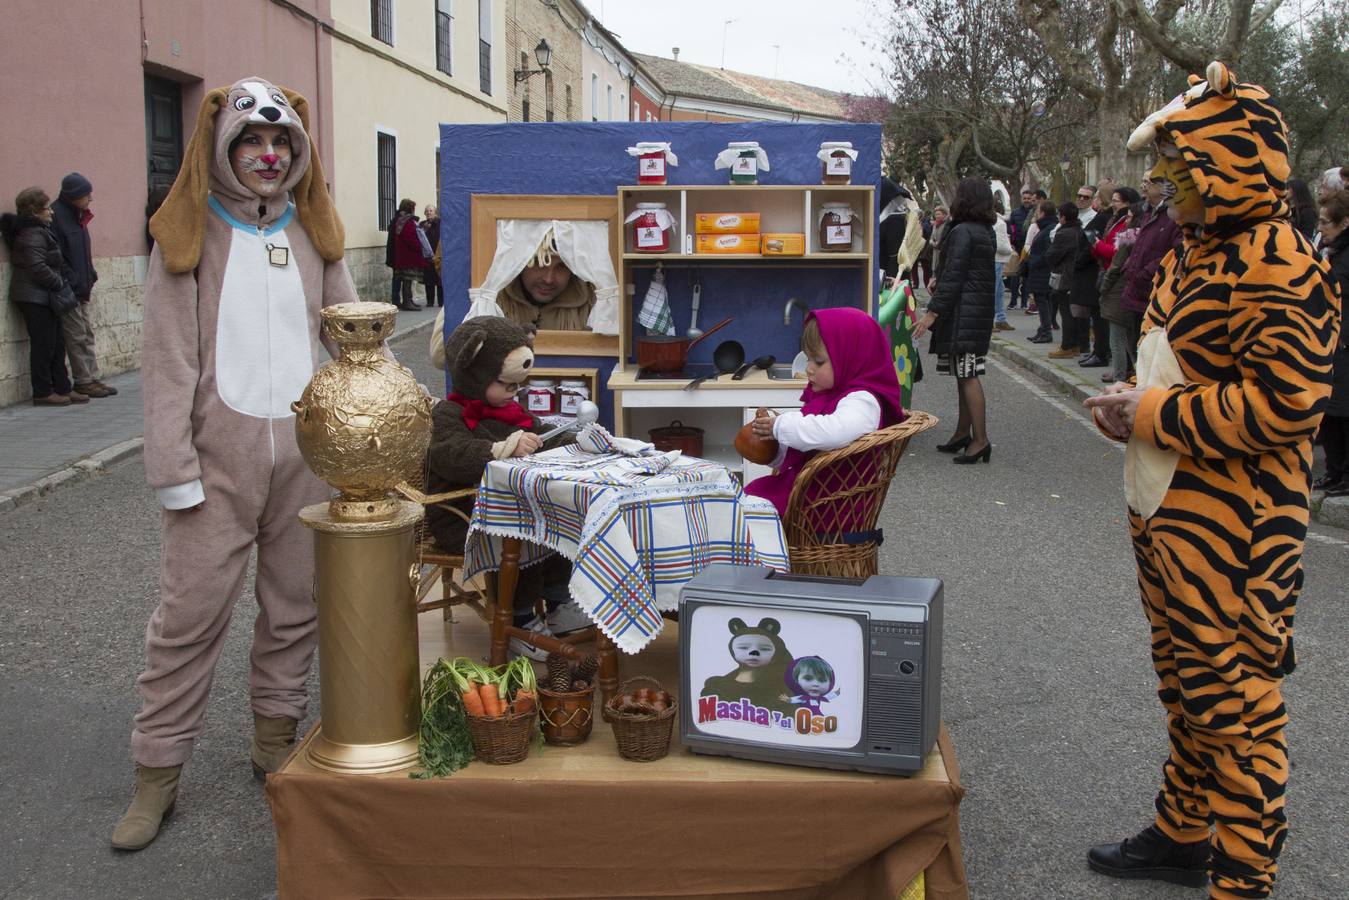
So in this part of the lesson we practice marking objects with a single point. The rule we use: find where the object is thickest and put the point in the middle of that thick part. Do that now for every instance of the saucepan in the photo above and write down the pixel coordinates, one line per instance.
(658, 353)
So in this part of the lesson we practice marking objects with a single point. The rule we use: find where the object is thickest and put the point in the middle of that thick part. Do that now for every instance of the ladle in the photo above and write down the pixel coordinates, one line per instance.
(728, 357)
(762, 362)
(586, 414)
(694, 331)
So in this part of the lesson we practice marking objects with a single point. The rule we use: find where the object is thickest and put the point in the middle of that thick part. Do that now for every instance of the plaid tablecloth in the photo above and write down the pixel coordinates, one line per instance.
(636, 528)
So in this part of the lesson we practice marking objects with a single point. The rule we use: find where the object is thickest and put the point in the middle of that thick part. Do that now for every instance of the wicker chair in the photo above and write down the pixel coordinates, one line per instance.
(443, 565)
(832, 511)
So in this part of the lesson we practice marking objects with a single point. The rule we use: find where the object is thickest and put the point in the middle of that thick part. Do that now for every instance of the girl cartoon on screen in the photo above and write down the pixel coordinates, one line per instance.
(810, 681)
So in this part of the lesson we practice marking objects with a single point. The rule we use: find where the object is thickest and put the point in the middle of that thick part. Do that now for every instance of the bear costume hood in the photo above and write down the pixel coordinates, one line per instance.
(1233, 141)
(486, 348)
(179, 227)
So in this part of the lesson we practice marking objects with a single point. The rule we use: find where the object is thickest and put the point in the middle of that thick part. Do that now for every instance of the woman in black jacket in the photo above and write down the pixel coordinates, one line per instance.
(1037, 270)
(960, 313)
(1334, 227)
(1062, 259)
(37, 274)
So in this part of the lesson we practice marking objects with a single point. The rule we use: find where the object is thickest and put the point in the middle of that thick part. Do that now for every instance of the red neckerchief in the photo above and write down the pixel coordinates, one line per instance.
(477, 410)
(86, 216)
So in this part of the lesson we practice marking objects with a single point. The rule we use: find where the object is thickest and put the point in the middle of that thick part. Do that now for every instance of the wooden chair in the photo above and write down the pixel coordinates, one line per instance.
(500, 617)
(831, 516)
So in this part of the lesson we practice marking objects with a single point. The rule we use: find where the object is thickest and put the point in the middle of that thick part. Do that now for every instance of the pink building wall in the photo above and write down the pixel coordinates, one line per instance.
(74, 96)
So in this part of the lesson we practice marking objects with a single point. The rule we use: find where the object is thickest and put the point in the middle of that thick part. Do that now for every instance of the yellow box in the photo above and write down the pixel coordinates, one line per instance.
(783, 244)
(726, 223)
(727, 243)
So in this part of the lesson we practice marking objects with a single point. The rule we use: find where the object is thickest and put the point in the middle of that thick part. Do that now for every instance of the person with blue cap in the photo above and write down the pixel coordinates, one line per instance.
(70, 222)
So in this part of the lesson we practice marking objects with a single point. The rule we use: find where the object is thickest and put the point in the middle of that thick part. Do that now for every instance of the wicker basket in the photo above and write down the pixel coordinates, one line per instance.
(567, 716)
(503, 739)
(641, 738)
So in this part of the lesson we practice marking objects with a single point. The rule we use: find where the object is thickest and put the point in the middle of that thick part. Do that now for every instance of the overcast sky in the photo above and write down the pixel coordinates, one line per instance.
(819, 42)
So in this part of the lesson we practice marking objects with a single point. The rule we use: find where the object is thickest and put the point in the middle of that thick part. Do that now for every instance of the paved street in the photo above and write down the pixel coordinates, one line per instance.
(1047, 688)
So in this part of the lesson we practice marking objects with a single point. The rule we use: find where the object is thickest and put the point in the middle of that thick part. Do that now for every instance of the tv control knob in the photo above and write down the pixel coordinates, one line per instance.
(907, 667)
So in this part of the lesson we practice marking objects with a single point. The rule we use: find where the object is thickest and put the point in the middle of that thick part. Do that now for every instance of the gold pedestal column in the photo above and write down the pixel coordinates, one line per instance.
(369, 673)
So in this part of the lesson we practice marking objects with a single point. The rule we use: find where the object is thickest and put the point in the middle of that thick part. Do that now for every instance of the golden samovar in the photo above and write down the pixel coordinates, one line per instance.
(363, 425)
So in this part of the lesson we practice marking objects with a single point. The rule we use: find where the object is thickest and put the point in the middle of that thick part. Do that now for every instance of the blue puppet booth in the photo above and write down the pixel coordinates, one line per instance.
(583, 170)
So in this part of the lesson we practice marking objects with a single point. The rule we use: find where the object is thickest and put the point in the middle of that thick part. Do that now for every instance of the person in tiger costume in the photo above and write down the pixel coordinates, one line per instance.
(1233, 373)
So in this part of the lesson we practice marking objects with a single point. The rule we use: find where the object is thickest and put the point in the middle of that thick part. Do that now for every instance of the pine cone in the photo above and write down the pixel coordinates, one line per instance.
(559, 673)
(586, 668)
(579, 685)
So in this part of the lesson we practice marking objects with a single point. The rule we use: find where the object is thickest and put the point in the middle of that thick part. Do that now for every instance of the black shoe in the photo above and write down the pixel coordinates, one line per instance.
(1325, 482)
(1151, 854)
(1041, 339)
(967, 459)
(1093, 362)
(1338, 489)
(955, 446)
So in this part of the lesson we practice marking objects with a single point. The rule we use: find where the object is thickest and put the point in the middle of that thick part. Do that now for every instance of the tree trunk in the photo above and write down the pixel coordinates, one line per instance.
(1116, 124)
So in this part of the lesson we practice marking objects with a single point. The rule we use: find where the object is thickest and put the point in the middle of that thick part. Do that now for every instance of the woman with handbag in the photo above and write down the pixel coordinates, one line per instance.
(1062, 259)
(39, 287)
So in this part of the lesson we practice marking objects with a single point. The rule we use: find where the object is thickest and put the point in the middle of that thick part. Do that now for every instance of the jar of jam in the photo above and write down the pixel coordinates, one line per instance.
(572, 392)
(542, 397)
(745, 159)
(836, 228)
(651, 226)
(652, 158)
(836, 159)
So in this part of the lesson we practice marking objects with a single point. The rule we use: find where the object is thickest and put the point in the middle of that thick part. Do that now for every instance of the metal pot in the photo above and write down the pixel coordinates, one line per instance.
(678, 436)
(659, 353)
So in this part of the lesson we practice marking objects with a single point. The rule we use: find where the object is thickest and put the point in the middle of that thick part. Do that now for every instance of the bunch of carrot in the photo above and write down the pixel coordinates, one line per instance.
(488, 693)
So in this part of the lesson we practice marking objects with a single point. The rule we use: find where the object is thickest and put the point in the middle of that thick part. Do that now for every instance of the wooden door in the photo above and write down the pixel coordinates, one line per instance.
(163, 131)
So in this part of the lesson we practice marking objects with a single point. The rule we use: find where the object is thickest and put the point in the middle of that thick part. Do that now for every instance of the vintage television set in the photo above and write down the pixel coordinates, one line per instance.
(832, 672)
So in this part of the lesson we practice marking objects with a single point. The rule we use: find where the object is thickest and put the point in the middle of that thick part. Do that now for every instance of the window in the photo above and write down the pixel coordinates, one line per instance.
(608, 103)
(636, 111)
(381, 20)
(443, 38)
(485, 46)
(594, 97)
(547, 96)
(387, 177)
(566, 96)
(622, 103)
(524, 92)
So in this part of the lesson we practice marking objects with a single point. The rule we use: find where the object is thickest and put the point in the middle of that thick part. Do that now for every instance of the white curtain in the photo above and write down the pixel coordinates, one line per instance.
(583, 246)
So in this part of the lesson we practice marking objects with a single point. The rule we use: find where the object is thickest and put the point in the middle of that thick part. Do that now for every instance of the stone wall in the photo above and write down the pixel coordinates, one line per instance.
(118, 310)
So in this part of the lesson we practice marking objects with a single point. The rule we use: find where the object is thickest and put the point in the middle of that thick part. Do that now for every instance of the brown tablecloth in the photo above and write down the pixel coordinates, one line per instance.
(580, 822)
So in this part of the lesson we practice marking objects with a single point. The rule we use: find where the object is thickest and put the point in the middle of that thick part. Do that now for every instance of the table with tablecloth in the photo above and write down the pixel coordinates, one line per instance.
(637, 525)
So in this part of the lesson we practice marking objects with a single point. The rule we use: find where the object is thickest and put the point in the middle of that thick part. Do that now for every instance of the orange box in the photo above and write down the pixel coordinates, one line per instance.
(727, 243)
(726, 223)
(783, 244)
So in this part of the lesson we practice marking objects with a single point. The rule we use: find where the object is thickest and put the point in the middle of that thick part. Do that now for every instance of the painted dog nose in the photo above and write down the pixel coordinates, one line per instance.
(270, 113)
(270, 159)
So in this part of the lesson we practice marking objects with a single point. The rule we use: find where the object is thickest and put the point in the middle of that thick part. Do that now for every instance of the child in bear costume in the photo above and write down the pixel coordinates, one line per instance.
(761, 667)
(489, 359)
(248, 249)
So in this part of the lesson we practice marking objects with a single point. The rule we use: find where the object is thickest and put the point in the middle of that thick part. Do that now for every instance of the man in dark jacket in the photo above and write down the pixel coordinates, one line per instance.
(1018, 224)
(1157, 236)
(1095, 218)
(71, 225)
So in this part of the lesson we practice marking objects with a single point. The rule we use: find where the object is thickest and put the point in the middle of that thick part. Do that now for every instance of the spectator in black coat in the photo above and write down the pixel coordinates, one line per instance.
(1039, 236)
(960, 313)
(38, 272)
(1018, 224)
(431, 226)
(71, 217)
(1333, 224)
(1063, 273)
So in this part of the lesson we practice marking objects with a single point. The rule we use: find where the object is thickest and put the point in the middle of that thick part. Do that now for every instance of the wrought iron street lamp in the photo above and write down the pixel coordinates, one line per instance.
(543, 55)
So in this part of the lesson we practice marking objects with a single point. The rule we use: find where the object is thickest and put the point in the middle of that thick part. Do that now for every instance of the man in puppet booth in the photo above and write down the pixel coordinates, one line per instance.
(1234, 371)
(547, 295)
(248, 249)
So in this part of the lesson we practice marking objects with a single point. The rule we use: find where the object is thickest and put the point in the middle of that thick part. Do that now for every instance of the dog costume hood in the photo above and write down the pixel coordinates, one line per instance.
(179, 226)
(1233, 140)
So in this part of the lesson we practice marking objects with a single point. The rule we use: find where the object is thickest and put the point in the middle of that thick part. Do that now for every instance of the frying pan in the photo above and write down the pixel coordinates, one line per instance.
(668, 354)
(728, 357)
(762, 362)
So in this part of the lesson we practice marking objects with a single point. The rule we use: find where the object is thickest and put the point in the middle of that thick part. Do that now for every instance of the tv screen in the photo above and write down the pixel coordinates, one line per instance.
(777, 676)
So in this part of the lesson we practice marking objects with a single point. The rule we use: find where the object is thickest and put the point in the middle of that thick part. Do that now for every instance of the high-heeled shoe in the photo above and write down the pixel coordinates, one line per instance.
(955, 446)
(966, 459)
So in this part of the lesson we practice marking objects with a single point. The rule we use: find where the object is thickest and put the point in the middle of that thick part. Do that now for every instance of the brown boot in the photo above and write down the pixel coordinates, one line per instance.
(156, 793)
(52, 400)
(272, 739)
(77, 397)
(95, 389)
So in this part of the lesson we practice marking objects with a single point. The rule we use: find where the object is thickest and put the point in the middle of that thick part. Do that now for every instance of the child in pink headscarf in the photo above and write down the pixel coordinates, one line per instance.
(853, 390)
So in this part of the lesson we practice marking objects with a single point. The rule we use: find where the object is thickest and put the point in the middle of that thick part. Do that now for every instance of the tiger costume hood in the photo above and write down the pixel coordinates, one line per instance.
(1234, 144)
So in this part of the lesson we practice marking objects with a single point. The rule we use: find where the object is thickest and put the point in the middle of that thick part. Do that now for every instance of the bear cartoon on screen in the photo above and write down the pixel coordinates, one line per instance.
(761, 660)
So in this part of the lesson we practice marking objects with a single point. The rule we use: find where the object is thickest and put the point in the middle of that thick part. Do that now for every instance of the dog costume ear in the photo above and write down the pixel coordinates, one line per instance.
(312, 200)
(180, 225)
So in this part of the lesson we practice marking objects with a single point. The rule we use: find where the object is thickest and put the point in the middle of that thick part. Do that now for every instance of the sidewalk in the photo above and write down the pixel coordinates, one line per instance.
(1081, 383)
(44, 448)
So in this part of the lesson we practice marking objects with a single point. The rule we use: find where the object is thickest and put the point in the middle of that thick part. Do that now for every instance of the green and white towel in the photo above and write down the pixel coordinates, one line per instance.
(655, 313)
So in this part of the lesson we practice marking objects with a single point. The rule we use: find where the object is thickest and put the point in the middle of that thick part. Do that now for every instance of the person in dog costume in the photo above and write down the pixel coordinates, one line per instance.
(248, 249)
(1234, 369)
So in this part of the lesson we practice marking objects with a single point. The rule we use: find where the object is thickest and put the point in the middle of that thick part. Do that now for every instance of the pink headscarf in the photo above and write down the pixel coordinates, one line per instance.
(861, 358)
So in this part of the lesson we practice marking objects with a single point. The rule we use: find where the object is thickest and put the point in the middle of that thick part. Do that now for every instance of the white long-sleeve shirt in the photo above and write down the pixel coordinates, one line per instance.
(857, 414)
(1003, 252)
